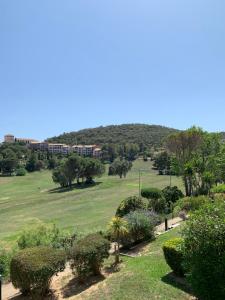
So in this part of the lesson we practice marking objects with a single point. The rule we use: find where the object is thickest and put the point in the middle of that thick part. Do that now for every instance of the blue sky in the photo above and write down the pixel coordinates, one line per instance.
(72, 64)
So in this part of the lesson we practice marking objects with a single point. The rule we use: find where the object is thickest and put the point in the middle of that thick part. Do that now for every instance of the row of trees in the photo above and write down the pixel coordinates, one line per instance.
(199, 157)
(128, 151)
(77, 168)
(16, 159)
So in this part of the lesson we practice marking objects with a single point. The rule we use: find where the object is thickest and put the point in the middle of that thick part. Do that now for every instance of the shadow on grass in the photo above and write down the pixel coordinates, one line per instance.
(51, 296)
(177, 282)
(74, 187)
(74, 287)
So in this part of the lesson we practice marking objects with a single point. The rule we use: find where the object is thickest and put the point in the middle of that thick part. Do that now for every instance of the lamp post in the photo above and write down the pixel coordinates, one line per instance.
(139, 183)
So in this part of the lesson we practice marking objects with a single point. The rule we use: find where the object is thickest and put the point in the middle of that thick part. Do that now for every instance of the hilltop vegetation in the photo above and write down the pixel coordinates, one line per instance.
(141, 134)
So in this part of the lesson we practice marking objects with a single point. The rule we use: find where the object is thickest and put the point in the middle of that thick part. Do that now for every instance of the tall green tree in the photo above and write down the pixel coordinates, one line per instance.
(120, 167)
(93, 168)
(9, 162)
(195, 158)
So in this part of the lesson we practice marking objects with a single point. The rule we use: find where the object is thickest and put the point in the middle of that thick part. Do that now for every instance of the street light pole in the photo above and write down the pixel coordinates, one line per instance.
(139, 183)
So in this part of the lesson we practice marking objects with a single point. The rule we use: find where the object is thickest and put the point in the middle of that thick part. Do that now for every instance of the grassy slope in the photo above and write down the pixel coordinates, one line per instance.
(145, 277)
(26, 200)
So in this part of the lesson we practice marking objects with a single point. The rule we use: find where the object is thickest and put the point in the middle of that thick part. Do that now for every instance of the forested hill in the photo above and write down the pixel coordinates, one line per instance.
(149, 135)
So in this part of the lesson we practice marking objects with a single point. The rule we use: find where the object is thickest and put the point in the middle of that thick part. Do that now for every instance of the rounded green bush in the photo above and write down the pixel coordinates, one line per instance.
(173, 255)
(87, 255)
(204, 251)
(21, 171)
(130, 204)
(151, 193)
(31, 269)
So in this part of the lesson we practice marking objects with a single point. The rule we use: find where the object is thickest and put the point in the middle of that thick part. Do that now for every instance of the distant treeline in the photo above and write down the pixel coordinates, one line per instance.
(144, 136)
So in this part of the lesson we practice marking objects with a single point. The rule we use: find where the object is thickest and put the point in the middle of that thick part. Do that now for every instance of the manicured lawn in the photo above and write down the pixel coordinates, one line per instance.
(143, 278)
(27, 200)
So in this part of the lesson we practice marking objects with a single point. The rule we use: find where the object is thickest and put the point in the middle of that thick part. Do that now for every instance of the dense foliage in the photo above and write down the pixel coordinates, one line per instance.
(5, 258)
(44, 235)
(219, 189)
(199, 157)
(120, 167)
(140, 134)
(16, 158)
(204, 251)
(151, 193)
(188, 204)
(140, 226)
(172, 250)
(87, 255)
(172, 194)
(156, 200)
(31, 269)
(75, 168)
(130, 204)
(162, 162)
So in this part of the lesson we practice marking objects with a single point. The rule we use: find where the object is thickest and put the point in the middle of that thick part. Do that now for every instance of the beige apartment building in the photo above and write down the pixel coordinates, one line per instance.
(10, 138)
(56, 148)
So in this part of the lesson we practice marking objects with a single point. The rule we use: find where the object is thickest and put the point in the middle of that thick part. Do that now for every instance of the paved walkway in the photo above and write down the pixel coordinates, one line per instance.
(171, 223)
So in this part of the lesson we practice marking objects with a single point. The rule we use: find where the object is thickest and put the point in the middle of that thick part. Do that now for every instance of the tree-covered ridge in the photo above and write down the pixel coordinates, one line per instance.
(142, 134)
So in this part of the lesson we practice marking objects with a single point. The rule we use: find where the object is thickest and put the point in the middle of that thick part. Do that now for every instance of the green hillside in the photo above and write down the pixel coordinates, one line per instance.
(149, 135)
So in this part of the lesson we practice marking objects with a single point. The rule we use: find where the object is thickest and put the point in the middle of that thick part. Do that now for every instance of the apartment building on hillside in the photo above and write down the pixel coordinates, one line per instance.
(10, 138)
(56, 148)
(83, 150)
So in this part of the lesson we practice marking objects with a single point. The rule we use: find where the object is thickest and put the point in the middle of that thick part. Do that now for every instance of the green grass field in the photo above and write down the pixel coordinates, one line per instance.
(33, 198)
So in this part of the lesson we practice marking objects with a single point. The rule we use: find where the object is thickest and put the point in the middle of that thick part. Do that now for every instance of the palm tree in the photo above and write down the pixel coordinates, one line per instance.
(117, 229)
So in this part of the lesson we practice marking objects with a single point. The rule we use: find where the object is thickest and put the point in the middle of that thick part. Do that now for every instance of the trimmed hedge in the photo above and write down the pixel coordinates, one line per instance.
(87, 255)
(151, 193)
(173, 255)
(128, 205)
(31, 269)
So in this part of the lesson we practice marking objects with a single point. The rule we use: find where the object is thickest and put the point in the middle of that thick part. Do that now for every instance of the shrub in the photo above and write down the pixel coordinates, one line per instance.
(156, 200)
(172, 250)
(219, 189)
(172, 194)
(140, 226)
(31, 269)
(87, 255)
(21, 172)
(159, 205)
(5, 258)
(151, 193)
(188, 204)
(130, 204)
(44, 235)
(204, 251)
